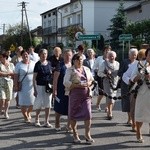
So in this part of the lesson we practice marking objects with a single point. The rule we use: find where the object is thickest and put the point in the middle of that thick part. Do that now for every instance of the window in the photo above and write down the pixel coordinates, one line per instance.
(54, 22)
(44, 16)
(54, 13)
(79, 18)
(44, 24)
(49, 14)
(140, 11)
(75, 5)
(66, 10)
(49, 23)
(69, 21)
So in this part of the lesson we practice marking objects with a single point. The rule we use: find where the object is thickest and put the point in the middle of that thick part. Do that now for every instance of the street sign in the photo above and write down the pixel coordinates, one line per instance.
(125, 37)
(12, 47)
(89, 37)
(78, 34)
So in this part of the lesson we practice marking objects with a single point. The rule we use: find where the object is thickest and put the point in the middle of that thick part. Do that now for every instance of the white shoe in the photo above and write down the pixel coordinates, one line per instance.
(48, 125)
(6, 116)
(37, 124)
(99, 109)
(58, 129)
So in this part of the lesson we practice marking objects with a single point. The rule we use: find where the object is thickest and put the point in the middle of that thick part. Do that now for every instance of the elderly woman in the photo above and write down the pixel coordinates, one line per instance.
(42, 74)
(127, 79)
(55, 60)
(61, 100)
(109, 70)
(6, 83)
(90, 60)
(99, 60)
(15, 59)
(77, 81)
(141, 75)
(24, 74)
(125, 102)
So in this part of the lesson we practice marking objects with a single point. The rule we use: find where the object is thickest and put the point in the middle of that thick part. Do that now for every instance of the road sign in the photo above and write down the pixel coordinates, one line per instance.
(125, 37)
(89, 37)
(12, 47)
(78, 34)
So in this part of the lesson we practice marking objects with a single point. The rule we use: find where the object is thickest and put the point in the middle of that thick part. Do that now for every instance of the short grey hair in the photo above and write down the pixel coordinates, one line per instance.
(42, 50)
(112, 52)
(133, 50)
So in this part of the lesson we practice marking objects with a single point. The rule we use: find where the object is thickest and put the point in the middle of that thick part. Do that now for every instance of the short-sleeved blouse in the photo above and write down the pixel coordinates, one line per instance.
(44, 73)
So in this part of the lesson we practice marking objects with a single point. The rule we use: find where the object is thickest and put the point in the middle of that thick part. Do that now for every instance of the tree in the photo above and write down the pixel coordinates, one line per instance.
(118, 25)
(140, 32)
(70, 32)
(13, 36)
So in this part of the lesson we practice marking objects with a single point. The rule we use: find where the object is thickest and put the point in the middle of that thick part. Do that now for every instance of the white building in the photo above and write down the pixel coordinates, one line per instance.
(93, 15)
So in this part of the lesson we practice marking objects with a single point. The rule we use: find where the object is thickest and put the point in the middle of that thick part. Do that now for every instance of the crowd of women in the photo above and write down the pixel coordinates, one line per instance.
(71, 78)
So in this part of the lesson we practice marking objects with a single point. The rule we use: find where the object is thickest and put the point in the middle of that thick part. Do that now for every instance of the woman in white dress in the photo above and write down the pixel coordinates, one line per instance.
(141, 75)
(109, 71)
(24, 73)
(6, 83)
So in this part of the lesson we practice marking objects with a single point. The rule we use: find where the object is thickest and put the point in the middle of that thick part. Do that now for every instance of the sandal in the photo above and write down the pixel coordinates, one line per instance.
(89, 141)
(68, 130)
(140, 140)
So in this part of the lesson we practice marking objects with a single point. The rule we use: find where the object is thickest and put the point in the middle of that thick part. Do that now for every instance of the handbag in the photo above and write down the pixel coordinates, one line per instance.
(19, 86)
(48, 87)
(49, 83)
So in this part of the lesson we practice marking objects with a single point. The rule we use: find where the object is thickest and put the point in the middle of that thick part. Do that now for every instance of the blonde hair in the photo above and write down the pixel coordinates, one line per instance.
(141, 54)
(58, 49)
(90, 50)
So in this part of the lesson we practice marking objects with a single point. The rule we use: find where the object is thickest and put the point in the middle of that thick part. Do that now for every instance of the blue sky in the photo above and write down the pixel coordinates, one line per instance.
(10, 11)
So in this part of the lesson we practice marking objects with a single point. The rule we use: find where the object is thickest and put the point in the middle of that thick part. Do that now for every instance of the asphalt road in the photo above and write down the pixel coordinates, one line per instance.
(108, 135)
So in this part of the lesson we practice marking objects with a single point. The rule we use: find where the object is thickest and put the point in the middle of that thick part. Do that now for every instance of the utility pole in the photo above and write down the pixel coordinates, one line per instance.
(23, 10)
(4, 25)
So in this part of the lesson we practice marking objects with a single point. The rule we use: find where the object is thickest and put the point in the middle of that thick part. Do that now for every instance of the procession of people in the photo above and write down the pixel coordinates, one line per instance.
(68, 81)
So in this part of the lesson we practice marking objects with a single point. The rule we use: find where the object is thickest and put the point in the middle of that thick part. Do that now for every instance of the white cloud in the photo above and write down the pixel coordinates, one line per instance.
(44, 2)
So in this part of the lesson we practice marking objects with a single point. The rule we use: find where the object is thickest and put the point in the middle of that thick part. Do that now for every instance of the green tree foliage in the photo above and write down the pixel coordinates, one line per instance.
(140, 32)
(70, 32)
(117, 26)
(13, 36)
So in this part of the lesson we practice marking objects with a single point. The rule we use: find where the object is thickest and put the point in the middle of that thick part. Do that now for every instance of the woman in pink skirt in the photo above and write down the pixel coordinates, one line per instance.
(78, 80)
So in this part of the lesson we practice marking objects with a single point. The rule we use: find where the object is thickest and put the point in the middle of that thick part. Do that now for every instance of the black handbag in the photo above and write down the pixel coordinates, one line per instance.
(48, 87)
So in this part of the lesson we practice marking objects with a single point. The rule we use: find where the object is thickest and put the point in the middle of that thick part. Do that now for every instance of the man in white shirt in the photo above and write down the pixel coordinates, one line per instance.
(33, 56)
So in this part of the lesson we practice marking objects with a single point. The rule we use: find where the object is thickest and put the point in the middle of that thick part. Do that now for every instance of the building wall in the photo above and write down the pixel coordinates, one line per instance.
(140, 13)
(96, 15)
(88, 16)
(104, 11)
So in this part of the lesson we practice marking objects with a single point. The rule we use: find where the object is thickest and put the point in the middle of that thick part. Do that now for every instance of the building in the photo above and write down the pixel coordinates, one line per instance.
(138, 11)
(93, 15)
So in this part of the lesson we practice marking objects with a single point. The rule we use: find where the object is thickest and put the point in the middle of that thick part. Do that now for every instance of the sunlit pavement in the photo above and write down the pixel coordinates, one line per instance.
(113, 134)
